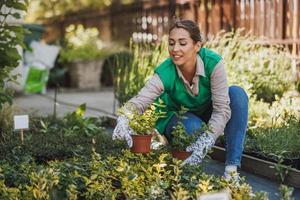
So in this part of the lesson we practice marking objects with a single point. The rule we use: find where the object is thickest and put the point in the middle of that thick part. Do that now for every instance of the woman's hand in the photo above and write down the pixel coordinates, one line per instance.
(122, 130)
(200, 148)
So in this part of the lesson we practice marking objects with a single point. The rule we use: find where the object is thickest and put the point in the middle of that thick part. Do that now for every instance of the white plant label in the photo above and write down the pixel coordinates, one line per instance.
(215, 196)
(21, 122)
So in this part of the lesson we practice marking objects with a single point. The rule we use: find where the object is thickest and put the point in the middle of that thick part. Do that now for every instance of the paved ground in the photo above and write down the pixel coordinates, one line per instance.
(97, 102)
(101, 103)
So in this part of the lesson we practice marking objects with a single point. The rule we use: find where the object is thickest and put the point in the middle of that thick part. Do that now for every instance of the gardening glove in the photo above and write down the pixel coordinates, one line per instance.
(200, 148)
(122, 130)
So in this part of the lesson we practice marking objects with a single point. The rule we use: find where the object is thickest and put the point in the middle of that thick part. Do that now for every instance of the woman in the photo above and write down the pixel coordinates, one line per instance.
(195, 78)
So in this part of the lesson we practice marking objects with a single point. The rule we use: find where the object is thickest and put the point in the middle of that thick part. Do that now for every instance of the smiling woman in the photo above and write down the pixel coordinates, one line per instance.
(194, 77)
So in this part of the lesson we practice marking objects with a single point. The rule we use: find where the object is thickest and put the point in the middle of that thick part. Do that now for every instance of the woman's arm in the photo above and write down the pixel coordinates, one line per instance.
(220, 99)
(152, 89)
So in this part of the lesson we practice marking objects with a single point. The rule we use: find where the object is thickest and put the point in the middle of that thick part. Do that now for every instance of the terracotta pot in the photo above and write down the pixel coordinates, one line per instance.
(141, 143)
(180, 155)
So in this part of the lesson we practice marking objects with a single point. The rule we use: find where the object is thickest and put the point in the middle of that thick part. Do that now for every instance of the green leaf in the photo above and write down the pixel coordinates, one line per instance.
(16, 15)
(80, 110)
(17, 6)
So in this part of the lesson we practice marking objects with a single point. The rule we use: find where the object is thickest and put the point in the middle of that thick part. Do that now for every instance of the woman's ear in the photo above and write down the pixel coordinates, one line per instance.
(197, 46)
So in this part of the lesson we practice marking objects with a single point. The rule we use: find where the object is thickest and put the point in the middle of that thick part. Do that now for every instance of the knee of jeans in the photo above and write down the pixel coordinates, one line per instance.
(192, 123)
(238, 94)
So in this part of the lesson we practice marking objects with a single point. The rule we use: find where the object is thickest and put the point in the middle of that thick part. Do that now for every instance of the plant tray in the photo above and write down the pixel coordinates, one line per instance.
(260, 167)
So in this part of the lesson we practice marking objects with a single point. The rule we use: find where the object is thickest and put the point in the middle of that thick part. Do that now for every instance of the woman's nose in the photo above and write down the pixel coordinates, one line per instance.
(176, 47)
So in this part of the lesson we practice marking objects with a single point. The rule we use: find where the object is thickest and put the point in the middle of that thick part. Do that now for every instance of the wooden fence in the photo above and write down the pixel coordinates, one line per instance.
(275, 21)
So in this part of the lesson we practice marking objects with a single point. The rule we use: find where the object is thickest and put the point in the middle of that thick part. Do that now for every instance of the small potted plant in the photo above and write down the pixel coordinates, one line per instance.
(180, 141)
(143, 126)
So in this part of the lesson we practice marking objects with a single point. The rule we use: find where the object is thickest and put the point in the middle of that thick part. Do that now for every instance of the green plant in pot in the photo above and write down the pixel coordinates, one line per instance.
(180, 139)
(143, 126)
(84, 54)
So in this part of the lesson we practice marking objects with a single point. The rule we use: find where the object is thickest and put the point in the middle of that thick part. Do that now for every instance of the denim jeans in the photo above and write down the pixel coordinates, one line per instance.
(235, 129)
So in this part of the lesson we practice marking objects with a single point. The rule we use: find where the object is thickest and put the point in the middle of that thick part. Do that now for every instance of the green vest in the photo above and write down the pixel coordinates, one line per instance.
(175, 93)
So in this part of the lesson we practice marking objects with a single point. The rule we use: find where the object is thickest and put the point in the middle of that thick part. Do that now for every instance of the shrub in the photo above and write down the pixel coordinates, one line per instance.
(131, 72)
(264, 71)
(274, 141)
(11, 37)
(143, 124)
(267, 115)
(126, 175)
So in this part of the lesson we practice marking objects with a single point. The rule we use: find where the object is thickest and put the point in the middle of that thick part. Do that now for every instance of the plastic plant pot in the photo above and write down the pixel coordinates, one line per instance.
(180, 155)
(141, 143)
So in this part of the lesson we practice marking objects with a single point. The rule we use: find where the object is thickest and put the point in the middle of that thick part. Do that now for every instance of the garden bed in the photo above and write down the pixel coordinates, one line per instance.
(257, 164)
(261, 167)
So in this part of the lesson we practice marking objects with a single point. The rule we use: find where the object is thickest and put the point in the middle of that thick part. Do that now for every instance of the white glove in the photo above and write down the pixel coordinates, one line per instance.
(122, 130)
(200, 148)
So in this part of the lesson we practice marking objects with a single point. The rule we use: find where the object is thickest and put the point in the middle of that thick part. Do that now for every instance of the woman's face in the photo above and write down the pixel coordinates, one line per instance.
(182, 48)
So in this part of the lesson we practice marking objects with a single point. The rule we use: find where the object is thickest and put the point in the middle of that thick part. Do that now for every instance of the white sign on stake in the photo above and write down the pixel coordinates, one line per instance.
(21, 122)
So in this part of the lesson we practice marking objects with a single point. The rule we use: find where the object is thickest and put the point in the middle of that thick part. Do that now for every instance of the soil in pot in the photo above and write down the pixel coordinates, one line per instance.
(141, 143)
(180, 155)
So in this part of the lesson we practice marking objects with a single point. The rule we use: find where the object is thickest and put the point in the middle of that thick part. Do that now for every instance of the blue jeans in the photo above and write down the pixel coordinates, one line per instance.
(235, 129)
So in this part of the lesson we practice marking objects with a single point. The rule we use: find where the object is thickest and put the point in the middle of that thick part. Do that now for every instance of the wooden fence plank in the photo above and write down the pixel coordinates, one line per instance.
(276, 19)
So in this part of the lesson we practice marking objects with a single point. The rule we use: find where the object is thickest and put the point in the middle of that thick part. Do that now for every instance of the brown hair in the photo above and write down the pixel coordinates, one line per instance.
(190, 26)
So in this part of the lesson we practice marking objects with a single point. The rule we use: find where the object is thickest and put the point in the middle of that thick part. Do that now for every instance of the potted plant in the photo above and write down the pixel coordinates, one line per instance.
(180, 141)
(143, 126)
(84, 55)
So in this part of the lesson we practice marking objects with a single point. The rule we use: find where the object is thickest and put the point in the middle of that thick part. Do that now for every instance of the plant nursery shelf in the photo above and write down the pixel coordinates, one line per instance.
(260, 167)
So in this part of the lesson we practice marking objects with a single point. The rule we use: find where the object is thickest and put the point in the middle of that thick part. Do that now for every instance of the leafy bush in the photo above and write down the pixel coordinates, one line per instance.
(60, 138)
(265, 115)
(180, 138)
(143, 124)
(264, 71)
(6, 121)
(11, 37)
(276, 141)
(82, 44)
(131, 72)
(101, 170)
(126, 175)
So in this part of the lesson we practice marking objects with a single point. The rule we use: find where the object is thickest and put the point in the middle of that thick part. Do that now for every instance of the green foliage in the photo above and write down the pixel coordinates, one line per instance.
(275, 140)
(143, 124)
(41, 183)
(40, 9)
(82, 44)
(286, 192)
(11, 37)
(266, 115)
(131, 72)
(281, 170)
(264, 71)
(181, 139)
(60, 138)
(106, 171)
(127, 175)
(6, 121)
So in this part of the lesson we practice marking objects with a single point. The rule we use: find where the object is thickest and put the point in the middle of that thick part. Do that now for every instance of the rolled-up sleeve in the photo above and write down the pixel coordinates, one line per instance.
(220, 100)
(152, 89)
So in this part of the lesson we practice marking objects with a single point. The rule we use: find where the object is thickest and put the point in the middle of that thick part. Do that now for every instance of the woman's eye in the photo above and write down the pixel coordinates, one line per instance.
(171, 43)
(183, 43)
